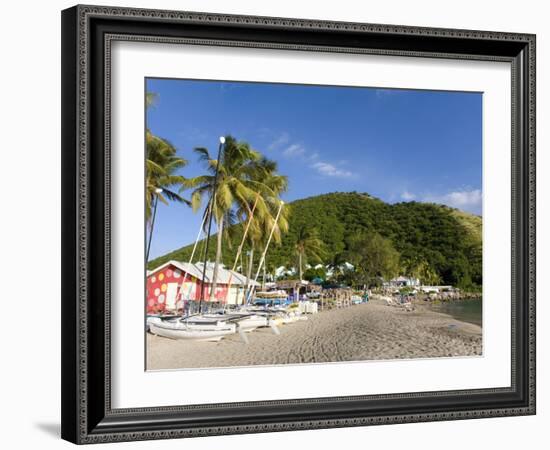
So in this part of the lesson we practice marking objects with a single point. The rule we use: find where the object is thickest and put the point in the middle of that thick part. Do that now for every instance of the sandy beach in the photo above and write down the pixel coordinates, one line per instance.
(363, 332)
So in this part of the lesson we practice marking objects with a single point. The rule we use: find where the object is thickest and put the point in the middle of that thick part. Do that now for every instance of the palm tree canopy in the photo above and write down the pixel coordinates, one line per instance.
(309, 245)
(239, 182)
(242, 175)
(269, 187)
(162, 164)
(151, 99)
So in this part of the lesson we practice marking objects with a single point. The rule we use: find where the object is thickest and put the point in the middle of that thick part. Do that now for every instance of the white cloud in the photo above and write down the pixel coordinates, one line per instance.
(314, 156)
(294, 150)
(283, 139)
(407, 196)
(467, 200)
(284, 145)
(331, 171)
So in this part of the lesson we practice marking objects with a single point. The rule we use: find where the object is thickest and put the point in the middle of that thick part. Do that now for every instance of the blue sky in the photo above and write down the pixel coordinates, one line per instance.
(397, 145)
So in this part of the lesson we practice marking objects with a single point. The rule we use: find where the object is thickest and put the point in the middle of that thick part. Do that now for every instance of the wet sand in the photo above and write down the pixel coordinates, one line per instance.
(363, 332)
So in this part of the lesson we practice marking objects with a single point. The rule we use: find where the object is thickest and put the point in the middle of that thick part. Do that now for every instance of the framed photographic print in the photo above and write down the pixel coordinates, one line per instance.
(279, 224)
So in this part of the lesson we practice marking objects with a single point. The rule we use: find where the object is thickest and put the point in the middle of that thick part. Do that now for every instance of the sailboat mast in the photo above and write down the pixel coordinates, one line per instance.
(262, 259)
(180, 291)
(210, 214)
(240, 249)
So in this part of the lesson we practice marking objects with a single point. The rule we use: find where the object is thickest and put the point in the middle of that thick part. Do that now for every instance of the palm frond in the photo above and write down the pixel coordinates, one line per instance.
(151, 99)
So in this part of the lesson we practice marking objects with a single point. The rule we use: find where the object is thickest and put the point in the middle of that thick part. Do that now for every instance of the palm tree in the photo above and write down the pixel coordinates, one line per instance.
(308, 245)
(240, 178)
(162, 180)
(151, 99)
(418, 267)
(270, 185)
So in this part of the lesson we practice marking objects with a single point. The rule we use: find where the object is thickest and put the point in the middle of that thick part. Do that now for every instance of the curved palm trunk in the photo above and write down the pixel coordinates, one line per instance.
(218, 260)
(151, 229)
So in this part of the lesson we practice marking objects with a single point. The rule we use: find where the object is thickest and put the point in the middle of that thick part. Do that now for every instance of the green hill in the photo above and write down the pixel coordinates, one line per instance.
(448, 240)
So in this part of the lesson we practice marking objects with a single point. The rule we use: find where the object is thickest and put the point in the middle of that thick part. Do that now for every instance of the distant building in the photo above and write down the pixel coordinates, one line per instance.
(165, 292)
(402, 281)
(296, 287)
(283, 271)
(437, 289)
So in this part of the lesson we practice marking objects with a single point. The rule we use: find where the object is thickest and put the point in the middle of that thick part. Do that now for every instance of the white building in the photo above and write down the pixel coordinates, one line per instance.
(402, 281)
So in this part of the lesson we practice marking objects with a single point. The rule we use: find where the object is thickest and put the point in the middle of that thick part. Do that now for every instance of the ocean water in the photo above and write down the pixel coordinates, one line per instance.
(463, 310)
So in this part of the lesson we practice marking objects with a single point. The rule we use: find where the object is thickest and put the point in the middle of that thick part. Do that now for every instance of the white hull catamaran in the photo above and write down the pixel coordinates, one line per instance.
(245, 321)
(199, 330)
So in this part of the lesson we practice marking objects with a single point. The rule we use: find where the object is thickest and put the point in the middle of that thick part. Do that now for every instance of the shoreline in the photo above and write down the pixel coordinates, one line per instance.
(371, 331)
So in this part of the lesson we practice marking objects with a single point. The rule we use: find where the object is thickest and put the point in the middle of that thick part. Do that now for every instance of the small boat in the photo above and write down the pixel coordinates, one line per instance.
(267, 317)
(196, 328)
(245, 321)
(155, 318)
(250, 323)
(276, 321)
(277, 316)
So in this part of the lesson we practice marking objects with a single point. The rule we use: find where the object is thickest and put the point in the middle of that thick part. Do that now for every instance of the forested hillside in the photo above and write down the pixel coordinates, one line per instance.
(434, 242)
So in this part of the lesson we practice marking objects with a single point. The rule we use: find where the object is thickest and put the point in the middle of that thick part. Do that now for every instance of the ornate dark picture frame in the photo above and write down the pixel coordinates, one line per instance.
(87, 34)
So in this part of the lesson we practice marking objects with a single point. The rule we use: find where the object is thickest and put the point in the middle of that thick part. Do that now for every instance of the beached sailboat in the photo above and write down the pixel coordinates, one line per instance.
(215, 326)
(199, 328)
(155, 318)
(245, 320)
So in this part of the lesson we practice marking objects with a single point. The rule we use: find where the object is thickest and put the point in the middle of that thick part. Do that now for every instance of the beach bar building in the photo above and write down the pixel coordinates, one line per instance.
(297, 287)
(173, 282)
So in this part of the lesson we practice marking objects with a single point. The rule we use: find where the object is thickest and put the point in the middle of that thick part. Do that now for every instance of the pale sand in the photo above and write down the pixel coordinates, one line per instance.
(363, 332)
